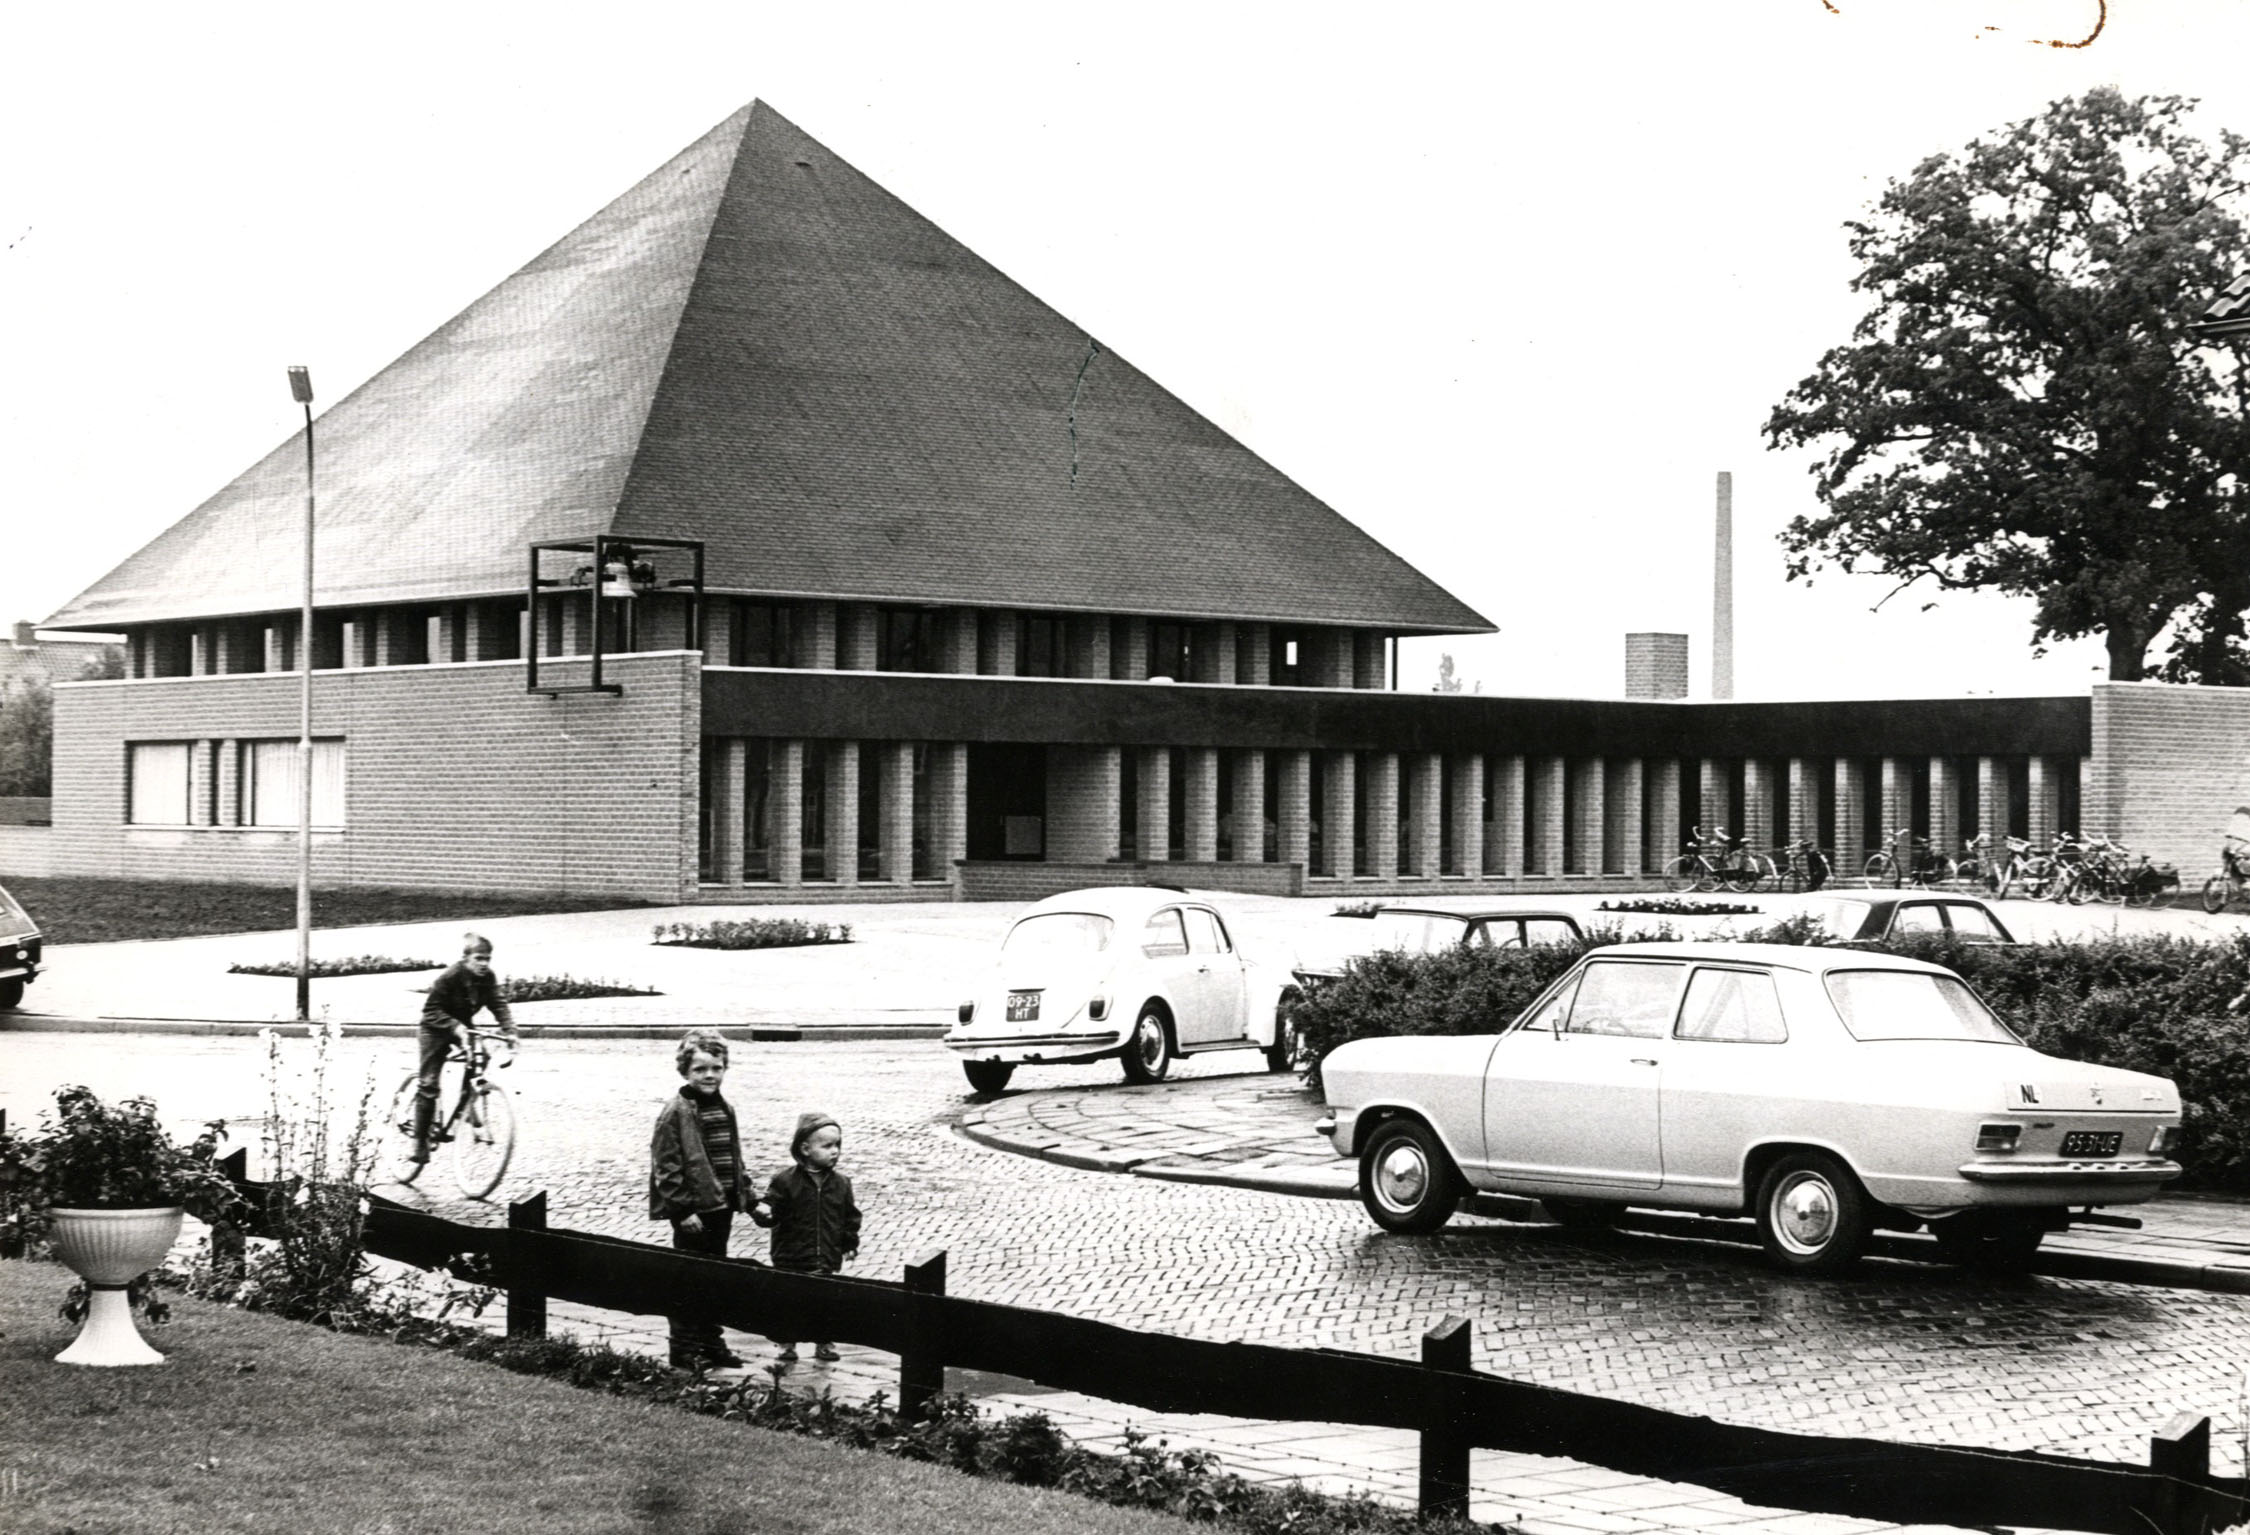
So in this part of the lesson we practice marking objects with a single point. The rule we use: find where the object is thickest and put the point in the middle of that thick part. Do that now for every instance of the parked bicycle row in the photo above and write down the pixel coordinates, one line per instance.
(2071, 868)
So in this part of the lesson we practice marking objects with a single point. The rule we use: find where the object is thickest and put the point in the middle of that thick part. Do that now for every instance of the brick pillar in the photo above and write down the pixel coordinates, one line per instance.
(1503, 834)
(948, 782)
(1660, 784)
(789, 813)
(1545, 854)
(1804, 802)
(1589, 814)
(821, 623)
(202, 765)
(957, 641)
(1993, 808)
(1214, 653)
(843, 812)
(1898, 795)
(1945, 808)
(1153, 804)
(1711, 808)
(476, 636)
(199, 650)
(277, 648)
(728, 831)
(1382, 815)
(897, 835)
(859, 642)
(1622, 831)
(2045, 792)
(1757, 803)
(996, 643)
(1425, 830)
(1851, 816)
(1337, 832)
(1202, 788)
(1334, 658)
(1370, 667)
(230, 782)
(1467, 811)
(1293, 816)
(1254, 655)
(1248, 812)
(1128, 661)
(1087, 641)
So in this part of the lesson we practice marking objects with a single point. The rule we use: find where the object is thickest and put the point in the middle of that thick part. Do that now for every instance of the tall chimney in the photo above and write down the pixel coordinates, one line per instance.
(1722, 594)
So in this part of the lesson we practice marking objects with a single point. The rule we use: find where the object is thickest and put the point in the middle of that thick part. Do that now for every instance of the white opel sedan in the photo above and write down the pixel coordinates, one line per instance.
(1824, 1091)
(1140, 972)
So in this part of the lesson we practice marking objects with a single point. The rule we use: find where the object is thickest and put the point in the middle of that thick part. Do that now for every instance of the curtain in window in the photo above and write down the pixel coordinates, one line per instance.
(157, 772)
(269, 787)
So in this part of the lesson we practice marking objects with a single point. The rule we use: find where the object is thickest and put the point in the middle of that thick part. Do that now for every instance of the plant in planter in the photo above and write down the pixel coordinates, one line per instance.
(107, 1187)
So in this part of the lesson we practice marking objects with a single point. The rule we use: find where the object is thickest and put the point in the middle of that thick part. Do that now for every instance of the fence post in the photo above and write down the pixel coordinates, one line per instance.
(921, 1364)
(1445, 1438)
(2179, 1453)
(527, 1303)
(227, 1250)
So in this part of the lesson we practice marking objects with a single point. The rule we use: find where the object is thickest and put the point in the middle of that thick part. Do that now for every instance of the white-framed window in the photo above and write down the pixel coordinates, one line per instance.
(269, 783)
(156, 782)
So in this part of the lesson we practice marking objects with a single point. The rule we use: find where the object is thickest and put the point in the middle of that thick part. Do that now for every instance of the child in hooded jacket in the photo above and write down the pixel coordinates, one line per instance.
(810, 1207)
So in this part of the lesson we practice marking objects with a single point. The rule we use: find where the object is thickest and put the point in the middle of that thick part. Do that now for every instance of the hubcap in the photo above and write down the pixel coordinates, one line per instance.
(1805, 1213)
(1150, 1039)
(1402, 1177)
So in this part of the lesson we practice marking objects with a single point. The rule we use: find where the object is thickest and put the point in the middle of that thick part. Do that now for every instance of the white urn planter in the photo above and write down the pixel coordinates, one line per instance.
(109, 1249)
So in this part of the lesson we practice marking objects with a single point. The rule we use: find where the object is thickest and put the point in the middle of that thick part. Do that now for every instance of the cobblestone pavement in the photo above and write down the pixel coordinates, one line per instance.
(1900, 1351)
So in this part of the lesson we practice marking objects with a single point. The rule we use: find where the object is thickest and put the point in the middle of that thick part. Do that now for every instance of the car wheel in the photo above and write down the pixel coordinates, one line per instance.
(2003, 1243)
(1812, 1216)
(1148, 1049)
(1406, 1180)
(1582, 1214)
(2215, 894)
(1282, 1053)
(11, 993)
(988, 1076)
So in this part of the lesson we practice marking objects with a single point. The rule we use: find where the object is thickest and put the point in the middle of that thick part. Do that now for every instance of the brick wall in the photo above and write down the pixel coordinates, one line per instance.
(456, 779)
(995, 881)
(2169, 766)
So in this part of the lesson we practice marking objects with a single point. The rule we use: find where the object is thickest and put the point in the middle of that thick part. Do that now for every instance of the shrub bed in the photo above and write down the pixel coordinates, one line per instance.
(358, 964)
(1676, 906)
(566, 988)
(2154, 1004)
(751, 933)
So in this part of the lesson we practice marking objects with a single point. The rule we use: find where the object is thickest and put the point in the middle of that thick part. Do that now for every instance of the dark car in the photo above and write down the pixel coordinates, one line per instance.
(19, 951)
(1878, 915)
(1424, 930)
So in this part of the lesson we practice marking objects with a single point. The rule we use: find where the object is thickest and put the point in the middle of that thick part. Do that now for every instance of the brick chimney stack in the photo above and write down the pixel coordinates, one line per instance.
(1656, 666)
(1722, 594)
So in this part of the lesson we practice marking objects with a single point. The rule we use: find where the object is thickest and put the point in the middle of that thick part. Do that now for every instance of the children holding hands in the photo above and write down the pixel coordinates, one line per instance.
(810, 1207)
(697, 1182)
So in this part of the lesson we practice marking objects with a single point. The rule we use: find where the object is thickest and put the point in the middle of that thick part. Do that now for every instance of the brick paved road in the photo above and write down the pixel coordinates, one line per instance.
(1902, 1351)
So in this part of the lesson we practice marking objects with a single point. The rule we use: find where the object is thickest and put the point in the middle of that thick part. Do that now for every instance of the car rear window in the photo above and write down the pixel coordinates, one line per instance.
(1737, 1007)
(1059, 932)
(1912, 1004)
(1415, 932)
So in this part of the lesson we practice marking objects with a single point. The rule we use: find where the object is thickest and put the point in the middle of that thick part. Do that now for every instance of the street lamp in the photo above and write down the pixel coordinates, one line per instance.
(300, 390)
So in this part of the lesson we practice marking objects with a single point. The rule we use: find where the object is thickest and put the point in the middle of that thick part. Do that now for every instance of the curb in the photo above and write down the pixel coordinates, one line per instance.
(756, 1033)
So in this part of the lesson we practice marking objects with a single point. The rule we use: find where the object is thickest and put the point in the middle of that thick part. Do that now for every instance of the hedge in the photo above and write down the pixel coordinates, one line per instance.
(2155, 1004)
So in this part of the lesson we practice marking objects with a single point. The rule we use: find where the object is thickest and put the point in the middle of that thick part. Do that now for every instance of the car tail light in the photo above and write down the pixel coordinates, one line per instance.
(1098, 1009)
(1998, 1137)
(968, 1012)
(2161, 1143)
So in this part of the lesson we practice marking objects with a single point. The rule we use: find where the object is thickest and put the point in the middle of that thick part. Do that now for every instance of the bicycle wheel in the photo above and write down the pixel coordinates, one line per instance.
(1763, 874)
(1682, 873)
(2216, 889)
(1791, 876)
(1818, 870)
(2038, 879)
(1879, 870)
(395, 1159)
(484, 1138)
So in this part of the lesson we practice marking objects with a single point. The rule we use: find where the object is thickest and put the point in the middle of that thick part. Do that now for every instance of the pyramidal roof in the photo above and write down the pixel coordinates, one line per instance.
(759, 347)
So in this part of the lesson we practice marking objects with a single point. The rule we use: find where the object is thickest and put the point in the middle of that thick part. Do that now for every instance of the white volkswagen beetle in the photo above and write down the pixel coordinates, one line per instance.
(1825, 1091)
(1141, 972)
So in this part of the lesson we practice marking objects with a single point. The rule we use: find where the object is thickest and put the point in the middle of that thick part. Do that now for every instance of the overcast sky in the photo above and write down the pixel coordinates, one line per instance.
(1506, 285)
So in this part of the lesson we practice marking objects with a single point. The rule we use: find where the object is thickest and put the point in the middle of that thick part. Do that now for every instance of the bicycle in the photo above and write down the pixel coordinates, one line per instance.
(480, 1127)
(1714, 860)
(2034, 871)
(2233, 878)
(1801, 866)
(1909, 861)
(2100, 875)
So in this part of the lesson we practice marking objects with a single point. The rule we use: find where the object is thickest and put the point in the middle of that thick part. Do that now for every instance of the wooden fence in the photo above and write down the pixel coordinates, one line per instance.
(1451, 1406)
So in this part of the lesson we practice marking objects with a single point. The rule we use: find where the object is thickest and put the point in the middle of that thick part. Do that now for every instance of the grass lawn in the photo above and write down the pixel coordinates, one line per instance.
(112, 910)
(258, 1424)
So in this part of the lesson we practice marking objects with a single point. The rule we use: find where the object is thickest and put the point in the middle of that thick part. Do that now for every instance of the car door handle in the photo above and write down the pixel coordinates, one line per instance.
(1642, 1060)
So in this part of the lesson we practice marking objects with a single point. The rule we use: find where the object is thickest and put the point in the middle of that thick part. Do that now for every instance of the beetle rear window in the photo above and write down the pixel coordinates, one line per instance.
(1910, 1004)
(1059, 932)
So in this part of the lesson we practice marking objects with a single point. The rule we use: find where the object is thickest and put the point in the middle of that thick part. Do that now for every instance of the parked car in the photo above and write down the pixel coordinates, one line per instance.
(1422, 930)
(19, 951)
(1824, 1091)
(1878, 915)
(1143, 973)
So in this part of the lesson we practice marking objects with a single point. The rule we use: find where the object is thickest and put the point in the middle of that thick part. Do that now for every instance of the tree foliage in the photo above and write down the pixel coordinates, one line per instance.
(27, 737)
(2023, 408)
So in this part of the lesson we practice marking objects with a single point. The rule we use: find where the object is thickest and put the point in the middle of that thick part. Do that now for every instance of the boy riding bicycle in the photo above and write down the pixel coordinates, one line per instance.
(455, 998)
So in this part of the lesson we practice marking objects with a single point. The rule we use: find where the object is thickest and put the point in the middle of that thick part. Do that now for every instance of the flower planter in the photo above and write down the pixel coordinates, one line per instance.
(109, 1249)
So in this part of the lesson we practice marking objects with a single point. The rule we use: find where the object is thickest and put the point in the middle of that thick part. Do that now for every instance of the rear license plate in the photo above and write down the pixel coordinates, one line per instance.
(2092, 1143)
(1023, 1007)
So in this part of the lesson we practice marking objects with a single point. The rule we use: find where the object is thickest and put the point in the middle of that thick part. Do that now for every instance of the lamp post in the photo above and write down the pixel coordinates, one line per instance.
(300, 390)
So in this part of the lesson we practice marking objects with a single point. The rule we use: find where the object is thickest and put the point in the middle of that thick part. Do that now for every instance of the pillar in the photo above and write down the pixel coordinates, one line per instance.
(1293, 816)
(1503, 834)
(727, 827)
(1804, 802)
(1660, 788)
(1851, 817)
(1337, 817)
(1945, 808)
(948, 783)
(896, 838)
(843, 812)
(277, 647)
(1898, 795)
(1214, 653)
(1370, 668)
(1382, 815)
(1468, 815)
(1128, 660)
(229, 767)
(1253, 665)
(820, 636)
(1425, 825)
(1545, 854)
(957, 641)
(199, 650)
(1621, 830)
(1589, 814)
(1086, 637)
(1153, 804)
(1201, 832)
(202, 781)
(1714, 807)
(1248, 812)
(789, 813)
(996, 642)
(1757, 803)
(1993, 807)
(859, 645)
(2045, 792)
